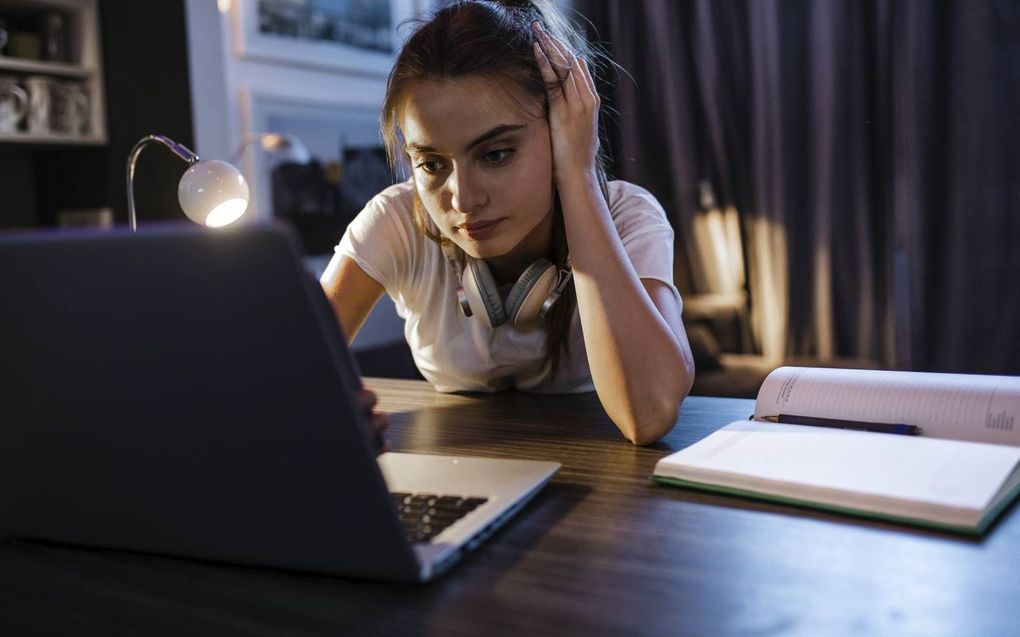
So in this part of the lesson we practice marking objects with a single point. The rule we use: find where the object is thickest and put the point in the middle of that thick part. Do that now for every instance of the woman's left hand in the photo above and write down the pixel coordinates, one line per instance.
(376, 419)
(573, 108)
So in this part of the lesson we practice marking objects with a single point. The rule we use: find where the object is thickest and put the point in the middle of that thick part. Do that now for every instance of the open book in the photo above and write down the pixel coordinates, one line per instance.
(958, 474)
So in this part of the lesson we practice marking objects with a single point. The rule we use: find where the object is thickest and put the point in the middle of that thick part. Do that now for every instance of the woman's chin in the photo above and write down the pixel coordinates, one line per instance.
(482, 249)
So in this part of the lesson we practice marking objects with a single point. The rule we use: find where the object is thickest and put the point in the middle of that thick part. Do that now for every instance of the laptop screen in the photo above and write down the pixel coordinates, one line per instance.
(184, 391)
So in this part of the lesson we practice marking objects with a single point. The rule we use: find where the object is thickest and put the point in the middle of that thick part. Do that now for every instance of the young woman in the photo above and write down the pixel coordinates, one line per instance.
(508, 217)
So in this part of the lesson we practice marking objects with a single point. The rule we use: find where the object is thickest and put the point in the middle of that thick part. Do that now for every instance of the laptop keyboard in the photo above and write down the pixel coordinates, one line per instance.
(426, 515)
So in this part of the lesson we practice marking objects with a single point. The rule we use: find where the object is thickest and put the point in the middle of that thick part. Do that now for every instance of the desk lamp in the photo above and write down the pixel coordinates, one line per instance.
(284, 146)
(211, 192)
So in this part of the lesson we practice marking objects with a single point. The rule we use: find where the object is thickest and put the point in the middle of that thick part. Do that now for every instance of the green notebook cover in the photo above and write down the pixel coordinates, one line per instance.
(979, 529)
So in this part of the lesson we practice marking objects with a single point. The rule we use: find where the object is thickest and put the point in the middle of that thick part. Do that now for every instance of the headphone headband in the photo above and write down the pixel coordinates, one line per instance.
(530, 298)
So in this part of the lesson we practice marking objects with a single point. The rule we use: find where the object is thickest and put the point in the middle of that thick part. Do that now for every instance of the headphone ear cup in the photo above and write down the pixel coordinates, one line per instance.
(530, 292)
(482, 292)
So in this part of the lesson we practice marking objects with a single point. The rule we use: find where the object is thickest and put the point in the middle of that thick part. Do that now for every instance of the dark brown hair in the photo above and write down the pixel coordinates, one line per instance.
(492, 40)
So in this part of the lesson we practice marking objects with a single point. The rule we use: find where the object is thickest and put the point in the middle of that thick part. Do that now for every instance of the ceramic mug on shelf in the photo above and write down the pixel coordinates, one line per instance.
(13, 105)
(40, 104)
(69, 106)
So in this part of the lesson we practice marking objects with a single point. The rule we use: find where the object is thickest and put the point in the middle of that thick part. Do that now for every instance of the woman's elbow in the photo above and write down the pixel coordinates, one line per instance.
(647, 425)
(648, 416)
(649, 435)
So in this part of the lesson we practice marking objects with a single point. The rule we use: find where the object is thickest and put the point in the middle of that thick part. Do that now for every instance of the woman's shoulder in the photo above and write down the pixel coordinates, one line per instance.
(621, 189)
(633, 207)
(383, 240)
(390, 211)
(399, 196)
(385, 226)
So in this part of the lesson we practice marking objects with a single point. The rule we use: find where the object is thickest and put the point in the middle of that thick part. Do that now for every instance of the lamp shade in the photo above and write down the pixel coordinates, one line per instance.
(213, 193)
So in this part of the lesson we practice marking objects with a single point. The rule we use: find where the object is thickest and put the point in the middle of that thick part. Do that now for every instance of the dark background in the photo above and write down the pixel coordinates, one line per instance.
(881, 135)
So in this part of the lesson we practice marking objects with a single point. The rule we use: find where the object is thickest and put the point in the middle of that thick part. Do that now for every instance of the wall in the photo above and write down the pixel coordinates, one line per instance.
(221, 83)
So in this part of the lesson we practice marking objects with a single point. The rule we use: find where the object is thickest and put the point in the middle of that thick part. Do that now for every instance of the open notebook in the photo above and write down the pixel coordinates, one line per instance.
(958, 474)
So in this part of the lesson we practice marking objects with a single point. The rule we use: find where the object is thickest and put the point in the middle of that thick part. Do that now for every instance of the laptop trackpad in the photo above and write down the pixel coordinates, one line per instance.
(496, 479)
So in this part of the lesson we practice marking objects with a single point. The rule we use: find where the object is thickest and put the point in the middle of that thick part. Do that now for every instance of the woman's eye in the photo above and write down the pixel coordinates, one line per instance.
(498, 156)
(431, 167)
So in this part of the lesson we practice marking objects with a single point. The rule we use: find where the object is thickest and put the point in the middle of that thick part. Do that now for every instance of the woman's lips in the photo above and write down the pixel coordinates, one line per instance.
(479, 229)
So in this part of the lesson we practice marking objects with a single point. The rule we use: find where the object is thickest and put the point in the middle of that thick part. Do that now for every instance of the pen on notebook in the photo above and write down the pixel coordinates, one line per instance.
(833, 423)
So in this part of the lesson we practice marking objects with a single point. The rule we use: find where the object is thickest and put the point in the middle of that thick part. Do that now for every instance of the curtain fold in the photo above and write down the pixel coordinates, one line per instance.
(870, 149)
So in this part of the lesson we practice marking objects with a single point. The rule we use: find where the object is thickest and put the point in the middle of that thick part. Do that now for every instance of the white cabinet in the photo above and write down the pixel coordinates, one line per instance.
(51, 76)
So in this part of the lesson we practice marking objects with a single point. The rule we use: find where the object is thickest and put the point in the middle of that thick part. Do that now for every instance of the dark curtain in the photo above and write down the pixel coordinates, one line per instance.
(869, 148)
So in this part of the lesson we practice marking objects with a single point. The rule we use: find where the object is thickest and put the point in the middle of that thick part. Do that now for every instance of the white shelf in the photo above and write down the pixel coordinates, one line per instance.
(84, 43)
(51, 140)
(44, 68)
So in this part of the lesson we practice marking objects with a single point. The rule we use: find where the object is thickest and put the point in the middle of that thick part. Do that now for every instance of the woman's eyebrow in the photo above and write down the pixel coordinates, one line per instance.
(496, 131)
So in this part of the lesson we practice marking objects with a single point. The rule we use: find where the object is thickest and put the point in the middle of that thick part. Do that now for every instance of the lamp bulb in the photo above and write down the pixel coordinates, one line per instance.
(213, 193)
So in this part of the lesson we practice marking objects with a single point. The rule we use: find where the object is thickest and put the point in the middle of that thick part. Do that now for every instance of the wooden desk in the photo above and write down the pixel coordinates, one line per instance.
(600, 550)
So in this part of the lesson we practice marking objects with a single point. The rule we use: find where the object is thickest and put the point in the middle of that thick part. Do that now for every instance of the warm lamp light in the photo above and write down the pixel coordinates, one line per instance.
(212, 193)
(283, 146)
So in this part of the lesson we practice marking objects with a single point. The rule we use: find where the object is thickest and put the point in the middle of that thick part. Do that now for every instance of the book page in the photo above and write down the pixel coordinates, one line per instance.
(971, 407)
(903, 475)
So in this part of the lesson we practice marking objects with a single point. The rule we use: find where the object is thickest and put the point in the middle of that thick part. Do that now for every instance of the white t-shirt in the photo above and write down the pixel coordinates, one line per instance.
(459, 353)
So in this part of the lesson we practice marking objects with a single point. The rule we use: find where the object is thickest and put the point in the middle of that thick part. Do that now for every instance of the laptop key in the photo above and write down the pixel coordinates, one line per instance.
(425, 515)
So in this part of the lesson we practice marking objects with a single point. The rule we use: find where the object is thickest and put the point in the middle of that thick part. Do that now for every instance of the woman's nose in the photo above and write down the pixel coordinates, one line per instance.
(467, 197)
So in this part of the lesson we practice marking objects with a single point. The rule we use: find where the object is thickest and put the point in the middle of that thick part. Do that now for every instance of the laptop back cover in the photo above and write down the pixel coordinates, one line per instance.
(183, 391)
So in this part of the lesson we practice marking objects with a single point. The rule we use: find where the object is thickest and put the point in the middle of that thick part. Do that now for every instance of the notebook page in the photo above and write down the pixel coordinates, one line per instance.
(859, 465)
(957, 406)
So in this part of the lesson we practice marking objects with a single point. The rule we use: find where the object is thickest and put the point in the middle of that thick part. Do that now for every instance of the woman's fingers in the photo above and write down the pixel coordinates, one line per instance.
(559, 65)
(589, 81)
(377, 420)
(576, 69)
(545, 65)
(379, 423)
(557, 57)
(552, 73)
(368, 400)
(569, 80)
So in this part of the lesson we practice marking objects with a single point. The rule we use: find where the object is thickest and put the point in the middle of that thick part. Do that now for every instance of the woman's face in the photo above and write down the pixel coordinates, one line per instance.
(482, 166)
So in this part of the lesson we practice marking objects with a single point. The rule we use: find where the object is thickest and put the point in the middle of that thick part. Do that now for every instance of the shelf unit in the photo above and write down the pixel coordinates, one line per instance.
(85, 66)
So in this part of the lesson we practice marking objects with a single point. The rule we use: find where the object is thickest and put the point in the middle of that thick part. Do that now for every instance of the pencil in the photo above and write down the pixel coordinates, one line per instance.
(833, 423)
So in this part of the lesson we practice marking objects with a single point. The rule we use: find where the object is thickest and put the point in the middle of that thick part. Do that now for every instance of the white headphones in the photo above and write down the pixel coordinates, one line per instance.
(530, 298)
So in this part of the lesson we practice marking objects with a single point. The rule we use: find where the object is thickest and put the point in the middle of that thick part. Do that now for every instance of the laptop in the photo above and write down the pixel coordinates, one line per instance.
(187, 392)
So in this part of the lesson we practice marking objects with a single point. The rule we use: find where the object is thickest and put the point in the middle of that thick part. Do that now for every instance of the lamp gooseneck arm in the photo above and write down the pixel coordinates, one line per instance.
(247, 140)
(184, 153)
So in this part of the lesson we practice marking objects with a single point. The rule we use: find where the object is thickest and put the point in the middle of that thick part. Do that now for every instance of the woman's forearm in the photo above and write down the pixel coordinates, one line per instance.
(639, 358)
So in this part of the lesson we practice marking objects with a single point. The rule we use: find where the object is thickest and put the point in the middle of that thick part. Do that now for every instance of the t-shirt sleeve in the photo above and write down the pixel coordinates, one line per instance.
(382, 241)
(645, 232)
